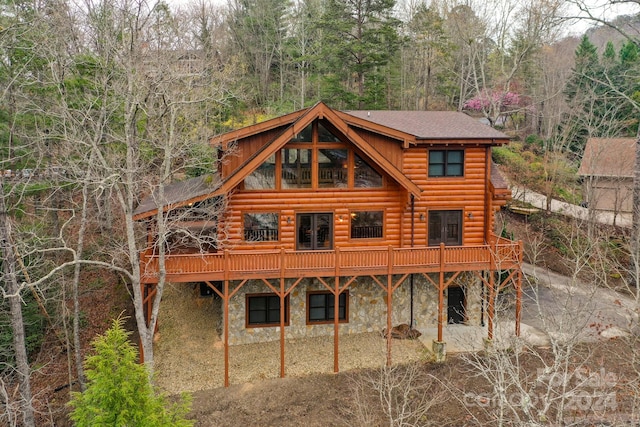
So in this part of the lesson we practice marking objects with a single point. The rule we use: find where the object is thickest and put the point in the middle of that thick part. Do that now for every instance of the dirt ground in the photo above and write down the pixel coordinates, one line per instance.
(453, 394)
(189, 353)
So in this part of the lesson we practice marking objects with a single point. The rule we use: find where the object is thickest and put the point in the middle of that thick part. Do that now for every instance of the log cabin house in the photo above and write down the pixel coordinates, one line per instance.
(332, 222)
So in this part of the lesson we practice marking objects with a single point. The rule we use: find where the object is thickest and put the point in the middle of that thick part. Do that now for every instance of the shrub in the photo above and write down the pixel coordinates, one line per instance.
(118, 389)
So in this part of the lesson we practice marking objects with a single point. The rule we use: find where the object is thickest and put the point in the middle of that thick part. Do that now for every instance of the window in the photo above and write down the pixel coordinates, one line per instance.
(314, 158)
(332, 168)
(296, 168)
(324, 135)
(366, 225)
(364, 175)
(445, 227)
(264, 177)
(304, 136)
(261, 227)
(264, 310)
(320, 307)
(446, 163)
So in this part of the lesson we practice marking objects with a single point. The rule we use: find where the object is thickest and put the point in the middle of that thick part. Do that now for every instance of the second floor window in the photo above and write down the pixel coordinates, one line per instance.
(446, 163)
(366, 224)
(261, 227)
(314, 158)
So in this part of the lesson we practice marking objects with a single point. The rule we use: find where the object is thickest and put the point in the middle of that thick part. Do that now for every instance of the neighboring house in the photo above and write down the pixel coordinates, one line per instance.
(607, 170)
(330, 217)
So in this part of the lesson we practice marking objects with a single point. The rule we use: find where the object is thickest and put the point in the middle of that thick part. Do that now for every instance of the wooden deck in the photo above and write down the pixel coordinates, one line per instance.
(240, 265)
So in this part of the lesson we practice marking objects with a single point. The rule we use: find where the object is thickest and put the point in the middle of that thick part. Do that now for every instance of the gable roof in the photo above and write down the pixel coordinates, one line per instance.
(305, 117)
(432, 125)
(609, 157)
(406, 126)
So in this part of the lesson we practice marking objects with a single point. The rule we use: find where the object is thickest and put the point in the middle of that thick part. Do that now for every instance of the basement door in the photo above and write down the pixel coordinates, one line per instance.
(455, 305)
(315, 231)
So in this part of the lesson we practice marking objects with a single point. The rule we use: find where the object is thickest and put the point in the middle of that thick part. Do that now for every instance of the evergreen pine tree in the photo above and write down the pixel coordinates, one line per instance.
(118, 390)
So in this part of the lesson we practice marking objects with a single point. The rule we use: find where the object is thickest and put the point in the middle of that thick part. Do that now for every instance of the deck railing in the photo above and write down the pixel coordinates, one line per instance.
(236, 265)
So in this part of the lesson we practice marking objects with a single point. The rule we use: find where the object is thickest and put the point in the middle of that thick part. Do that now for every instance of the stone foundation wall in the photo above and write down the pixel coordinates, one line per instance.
(366, 308)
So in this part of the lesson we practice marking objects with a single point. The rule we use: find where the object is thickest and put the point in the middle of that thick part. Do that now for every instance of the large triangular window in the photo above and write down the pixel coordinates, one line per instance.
(314, 158)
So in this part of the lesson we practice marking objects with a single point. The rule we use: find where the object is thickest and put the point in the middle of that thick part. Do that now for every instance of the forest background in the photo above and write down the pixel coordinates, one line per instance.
(102, 102)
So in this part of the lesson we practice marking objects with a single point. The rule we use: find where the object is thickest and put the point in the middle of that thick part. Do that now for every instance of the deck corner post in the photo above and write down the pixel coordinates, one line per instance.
(336, 325)
(226, 331)
(389, 312)
(282, 325)
(440, 306)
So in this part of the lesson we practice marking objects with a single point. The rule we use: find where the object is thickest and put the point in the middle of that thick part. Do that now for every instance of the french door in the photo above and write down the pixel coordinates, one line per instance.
(315, 231)
(445, 227)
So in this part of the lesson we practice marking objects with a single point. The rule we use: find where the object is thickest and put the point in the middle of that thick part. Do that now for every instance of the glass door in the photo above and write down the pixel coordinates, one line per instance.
(315, 231)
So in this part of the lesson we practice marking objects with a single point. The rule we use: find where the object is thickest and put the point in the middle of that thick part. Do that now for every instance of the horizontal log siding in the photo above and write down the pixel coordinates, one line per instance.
(391, 200)
(465, 193)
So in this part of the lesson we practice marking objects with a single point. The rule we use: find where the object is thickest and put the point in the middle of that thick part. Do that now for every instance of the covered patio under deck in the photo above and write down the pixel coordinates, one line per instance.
(337, 270)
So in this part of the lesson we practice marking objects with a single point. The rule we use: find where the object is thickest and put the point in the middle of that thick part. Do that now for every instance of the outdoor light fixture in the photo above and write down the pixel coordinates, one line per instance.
(288, 220)
(470, 215)
(421, 217)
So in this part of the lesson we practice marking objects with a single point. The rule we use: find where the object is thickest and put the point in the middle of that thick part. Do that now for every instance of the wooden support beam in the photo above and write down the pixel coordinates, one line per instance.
(389, 304)
(283, 294)
(225, 317)
(336, 324)
(225, 322)
(441, 287)
(336, 314)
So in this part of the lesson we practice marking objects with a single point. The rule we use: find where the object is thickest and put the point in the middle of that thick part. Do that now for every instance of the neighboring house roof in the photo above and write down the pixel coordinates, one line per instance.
(609, 157)
(432, 124)
(176, 193)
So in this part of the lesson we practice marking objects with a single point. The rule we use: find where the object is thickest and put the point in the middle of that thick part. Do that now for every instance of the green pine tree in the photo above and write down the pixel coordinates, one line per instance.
(118, 389)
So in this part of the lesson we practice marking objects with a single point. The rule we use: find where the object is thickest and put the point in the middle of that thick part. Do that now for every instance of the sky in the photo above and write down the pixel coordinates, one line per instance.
(600, 9)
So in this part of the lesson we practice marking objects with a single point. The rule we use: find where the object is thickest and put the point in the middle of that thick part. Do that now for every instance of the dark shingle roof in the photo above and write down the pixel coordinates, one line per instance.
(431, 124)
(609, 157)
(178, 192)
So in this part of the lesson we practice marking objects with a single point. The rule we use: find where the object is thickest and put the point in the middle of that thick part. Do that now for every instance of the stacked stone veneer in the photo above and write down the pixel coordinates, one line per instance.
(366, 307)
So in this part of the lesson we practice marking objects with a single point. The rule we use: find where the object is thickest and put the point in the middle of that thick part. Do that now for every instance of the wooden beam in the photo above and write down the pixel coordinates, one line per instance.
(225, 322)
(389, 304)
(283, 296)
(441, 287)
(336, 324)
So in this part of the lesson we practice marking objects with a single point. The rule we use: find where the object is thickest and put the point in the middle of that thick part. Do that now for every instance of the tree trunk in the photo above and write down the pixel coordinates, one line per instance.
(12, 290)
(634, 267)
(77, 345)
